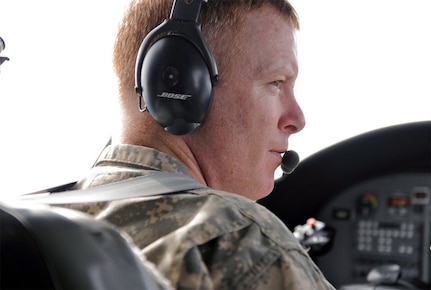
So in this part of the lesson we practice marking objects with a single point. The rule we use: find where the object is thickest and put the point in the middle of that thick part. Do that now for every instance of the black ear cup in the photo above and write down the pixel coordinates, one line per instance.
(176, 84)
(176, 71)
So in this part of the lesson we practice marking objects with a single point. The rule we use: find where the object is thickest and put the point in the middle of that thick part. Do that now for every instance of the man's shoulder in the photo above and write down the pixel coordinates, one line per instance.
(207, 213)
(232, 208)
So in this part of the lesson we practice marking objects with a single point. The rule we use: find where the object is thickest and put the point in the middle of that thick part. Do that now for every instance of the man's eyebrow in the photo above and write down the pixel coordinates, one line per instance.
(289, 71)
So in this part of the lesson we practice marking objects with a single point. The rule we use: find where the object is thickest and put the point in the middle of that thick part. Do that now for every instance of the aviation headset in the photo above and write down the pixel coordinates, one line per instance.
(176, 71)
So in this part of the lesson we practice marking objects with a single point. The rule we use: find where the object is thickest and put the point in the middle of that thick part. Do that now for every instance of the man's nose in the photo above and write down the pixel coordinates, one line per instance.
(293, 120)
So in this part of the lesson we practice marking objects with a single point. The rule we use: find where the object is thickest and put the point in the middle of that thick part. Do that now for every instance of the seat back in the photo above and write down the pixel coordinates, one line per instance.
(42, 247)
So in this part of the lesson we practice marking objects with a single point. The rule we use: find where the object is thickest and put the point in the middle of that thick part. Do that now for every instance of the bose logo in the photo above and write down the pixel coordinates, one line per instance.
(174, 96)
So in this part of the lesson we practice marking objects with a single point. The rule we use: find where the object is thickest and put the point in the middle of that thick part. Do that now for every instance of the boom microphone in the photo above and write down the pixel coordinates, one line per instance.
(289, 162)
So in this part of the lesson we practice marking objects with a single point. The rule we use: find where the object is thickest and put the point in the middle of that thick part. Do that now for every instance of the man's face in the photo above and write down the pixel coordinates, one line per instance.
(254, 110)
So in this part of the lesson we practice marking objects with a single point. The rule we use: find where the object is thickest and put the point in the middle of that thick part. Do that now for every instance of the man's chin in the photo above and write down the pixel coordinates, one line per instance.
(265, 188)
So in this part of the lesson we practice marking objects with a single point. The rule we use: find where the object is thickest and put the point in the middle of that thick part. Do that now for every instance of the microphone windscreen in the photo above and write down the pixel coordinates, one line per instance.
(289, 162)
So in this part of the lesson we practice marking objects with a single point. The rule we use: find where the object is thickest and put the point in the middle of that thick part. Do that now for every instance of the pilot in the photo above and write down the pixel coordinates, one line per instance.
(217, 237)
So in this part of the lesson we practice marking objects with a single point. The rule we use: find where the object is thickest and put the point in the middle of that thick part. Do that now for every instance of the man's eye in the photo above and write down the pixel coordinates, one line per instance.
(276, 83)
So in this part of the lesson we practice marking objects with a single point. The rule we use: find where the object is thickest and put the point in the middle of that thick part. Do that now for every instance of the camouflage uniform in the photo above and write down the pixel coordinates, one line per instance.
(203, 238)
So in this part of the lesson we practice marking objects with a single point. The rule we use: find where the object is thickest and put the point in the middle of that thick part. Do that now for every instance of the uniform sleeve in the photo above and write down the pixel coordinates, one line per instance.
(247, 259)
(292, 271)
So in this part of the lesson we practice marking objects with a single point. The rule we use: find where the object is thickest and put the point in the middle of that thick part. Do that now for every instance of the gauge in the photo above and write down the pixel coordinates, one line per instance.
(367, 204)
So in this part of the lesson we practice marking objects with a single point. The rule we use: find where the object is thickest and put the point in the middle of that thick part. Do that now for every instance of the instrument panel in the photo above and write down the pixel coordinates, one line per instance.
(379, 221)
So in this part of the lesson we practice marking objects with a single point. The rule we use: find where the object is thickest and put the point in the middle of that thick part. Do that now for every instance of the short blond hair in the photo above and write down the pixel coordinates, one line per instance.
(218, 19)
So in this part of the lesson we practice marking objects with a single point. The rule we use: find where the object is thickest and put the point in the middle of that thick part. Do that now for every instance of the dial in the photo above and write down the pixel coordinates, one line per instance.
(367, 204)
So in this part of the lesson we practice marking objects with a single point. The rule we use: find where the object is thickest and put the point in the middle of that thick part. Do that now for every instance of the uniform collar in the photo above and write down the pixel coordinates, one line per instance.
(139, 157)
